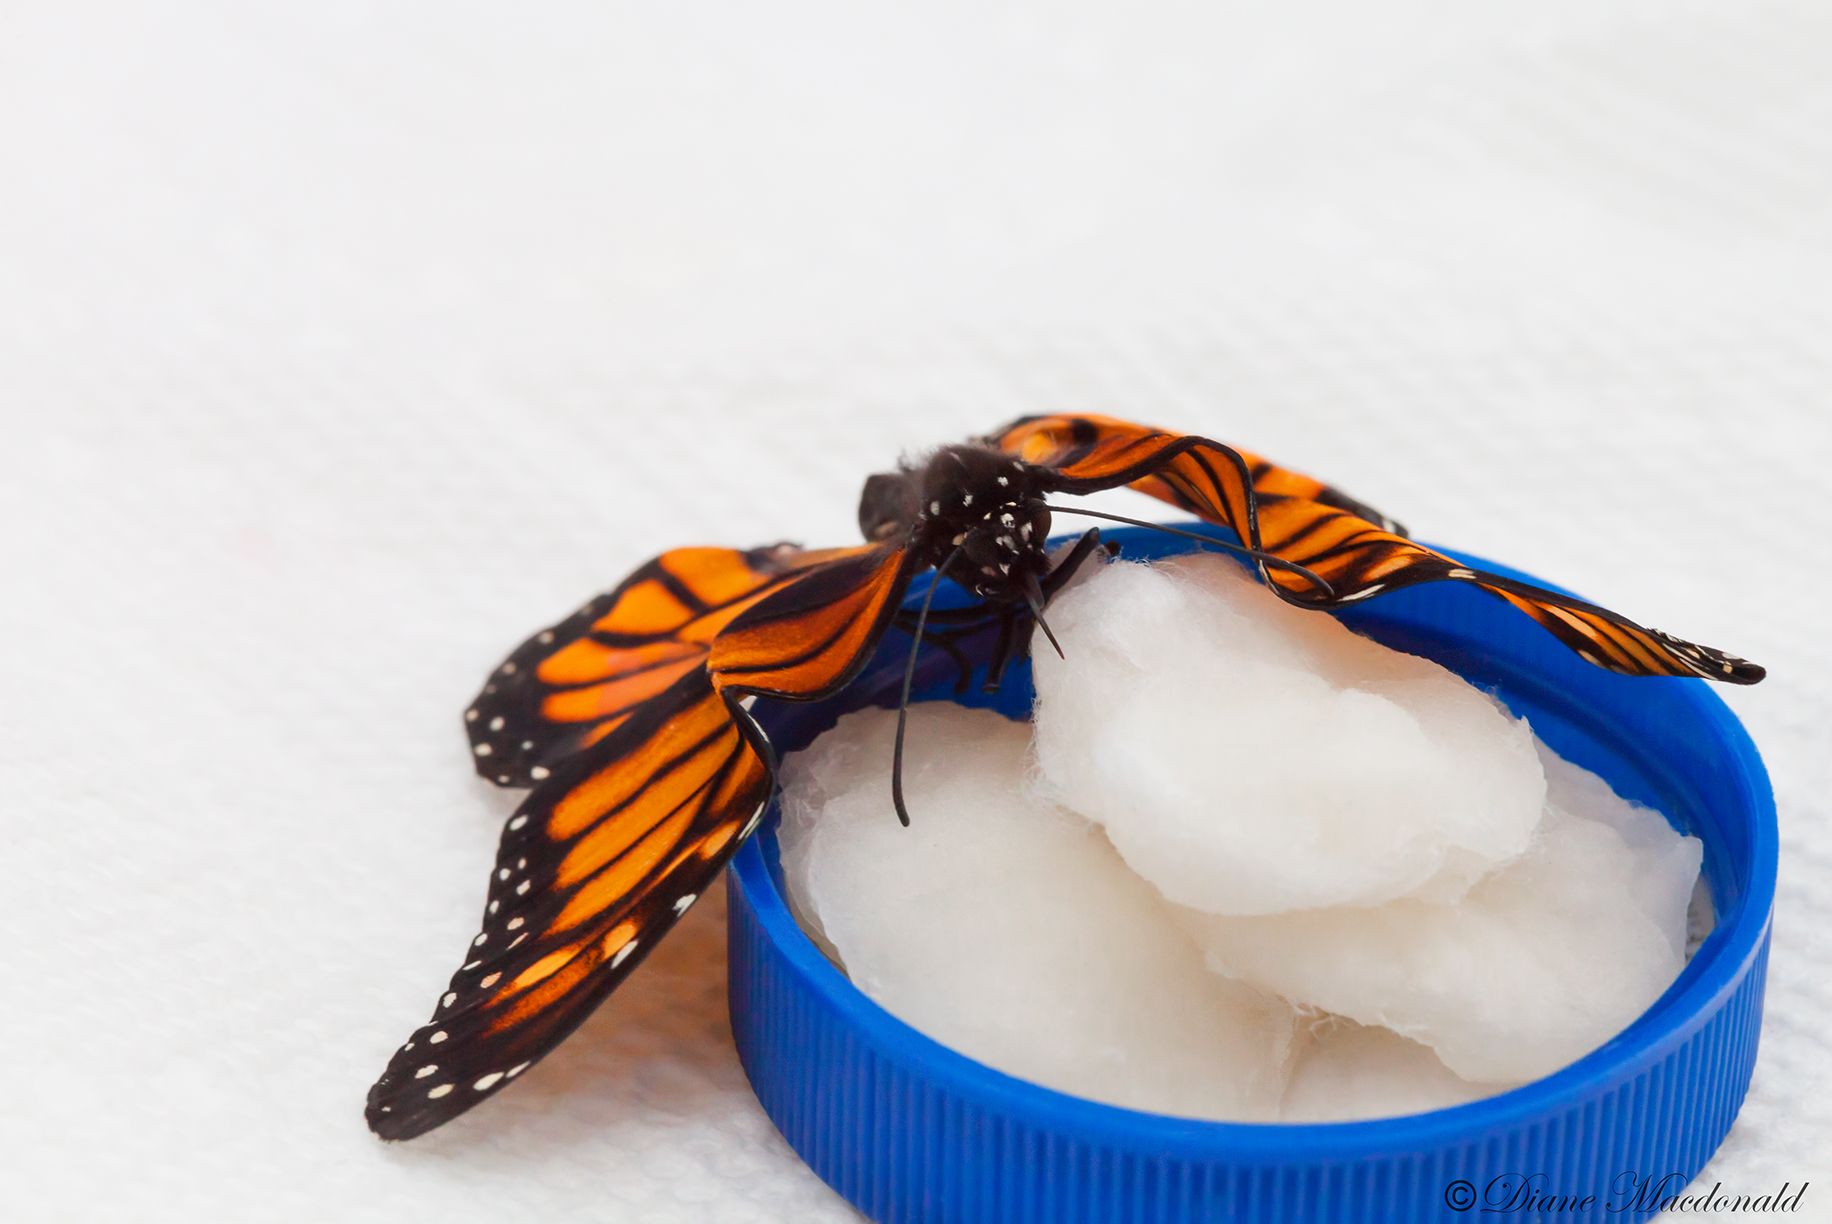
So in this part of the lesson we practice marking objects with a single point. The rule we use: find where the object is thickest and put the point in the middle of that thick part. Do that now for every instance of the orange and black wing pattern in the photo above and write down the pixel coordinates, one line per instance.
(1357, 550)
(805, 640)
(573, 683)
(593, 868)
(634, 816)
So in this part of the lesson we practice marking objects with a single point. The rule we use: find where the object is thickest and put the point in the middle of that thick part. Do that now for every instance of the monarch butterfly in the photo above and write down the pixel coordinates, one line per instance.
(648, 772)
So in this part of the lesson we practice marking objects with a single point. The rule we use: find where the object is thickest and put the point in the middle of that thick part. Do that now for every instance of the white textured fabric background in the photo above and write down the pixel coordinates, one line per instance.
(341, 345)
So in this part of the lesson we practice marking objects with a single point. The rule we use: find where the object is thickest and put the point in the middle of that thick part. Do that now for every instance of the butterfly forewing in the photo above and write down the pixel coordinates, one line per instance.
(1360, 560)
(593, 868)
(1357, 550)
(1089, 453)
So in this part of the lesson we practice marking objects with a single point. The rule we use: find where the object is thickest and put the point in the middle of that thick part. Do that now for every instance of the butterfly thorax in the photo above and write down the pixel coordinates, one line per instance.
(972, 507)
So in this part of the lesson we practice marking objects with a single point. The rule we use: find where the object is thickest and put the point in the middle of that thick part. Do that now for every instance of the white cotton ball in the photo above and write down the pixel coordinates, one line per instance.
(1342, 1071)
(1248, 757)
(1008, 929)
(1349, 830)
(1535, 966)
(1701, 917)
(1666, 877)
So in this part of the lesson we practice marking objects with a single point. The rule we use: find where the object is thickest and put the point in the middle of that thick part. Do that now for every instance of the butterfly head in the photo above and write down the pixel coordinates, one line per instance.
(989, 507)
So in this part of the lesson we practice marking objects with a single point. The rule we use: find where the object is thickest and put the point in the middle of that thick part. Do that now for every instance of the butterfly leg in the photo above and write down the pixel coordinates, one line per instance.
(962, 664)
(973, 615)
(1065, 569)
(946, 639)
(1014, 632)
(1001, 653)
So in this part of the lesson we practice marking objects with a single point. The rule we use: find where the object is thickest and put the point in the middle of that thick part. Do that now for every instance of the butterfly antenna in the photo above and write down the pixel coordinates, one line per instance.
(1264, 558)
(909, 679)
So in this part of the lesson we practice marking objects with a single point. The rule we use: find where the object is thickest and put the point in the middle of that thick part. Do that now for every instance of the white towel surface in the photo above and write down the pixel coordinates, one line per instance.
(343, 344)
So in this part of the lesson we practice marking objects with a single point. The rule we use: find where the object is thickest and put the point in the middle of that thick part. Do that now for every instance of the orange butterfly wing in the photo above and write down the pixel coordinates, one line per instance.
(625, 830)
(571, 684)
(1356, 549)
(806, 640)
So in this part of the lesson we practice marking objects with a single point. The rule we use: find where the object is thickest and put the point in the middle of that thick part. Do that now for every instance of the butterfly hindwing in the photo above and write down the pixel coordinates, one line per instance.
(1357, 550)
(805, 640)
(572, 683)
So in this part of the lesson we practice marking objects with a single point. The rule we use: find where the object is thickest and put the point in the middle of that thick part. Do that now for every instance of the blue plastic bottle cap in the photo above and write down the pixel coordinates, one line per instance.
(908, 1130)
